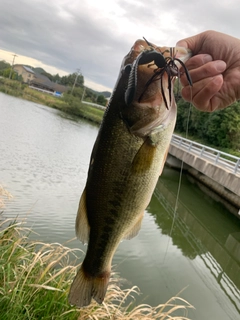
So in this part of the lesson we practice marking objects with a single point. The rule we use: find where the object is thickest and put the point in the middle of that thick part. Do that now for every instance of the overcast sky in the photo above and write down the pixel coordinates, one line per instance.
(94, 35)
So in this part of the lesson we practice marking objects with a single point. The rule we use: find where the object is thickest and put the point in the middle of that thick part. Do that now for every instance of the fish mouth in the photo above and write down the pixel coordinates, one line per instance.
(157, 117)
(149, 96)
(163, 76)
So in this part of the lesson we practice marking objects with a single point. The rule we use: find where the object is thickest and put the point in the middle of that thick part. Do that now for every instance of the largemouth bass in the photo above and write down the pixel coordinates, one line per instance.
(127, 159)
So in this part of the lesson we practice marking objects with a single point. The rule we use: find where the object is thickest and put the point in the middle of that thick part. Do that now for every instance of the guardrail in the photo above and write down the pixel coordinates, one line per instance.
(215, 156)
(98, 106)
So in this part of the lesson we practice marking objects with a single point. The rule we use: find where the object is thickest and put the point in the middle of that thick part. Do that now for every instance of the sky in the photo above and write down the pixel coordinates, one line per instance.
(62, 36)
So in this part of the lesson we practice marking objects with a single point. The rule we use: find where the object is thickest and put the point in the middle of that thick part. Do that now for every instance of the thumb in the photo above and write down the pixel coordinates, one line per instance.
(182, 43)
(193, 43)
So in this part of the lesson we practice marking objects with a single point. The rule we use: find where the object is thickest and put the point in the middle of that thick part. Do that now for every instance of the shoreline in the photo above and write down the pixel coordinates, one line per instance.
(71, 105)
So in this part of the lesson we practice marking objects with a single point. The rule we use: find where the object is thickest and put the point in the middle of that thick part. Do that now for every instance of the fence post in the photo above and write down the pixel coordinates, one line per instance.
(202, 151)
(217, 157)
(236, 167)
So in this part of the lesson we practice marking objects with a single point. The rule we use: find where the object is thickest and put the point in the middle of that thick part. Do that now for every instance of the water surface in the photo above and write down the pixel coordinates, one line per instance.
(44, 157)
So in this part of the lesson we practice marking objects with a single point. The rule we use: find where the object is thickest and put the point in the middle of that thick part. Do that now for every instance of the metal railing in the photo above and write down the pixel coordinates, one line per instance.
(98, 106)
(223, 159)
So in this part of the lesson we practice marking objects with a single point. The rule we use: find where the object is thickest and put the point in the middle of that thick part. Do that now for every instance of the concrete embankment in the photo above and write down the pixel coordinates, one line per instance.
(218, 180)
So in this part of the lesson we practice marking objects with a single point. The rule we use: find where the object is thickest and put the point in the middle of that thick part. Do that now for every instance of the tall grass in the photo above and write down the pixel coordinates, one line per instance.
(35, 278)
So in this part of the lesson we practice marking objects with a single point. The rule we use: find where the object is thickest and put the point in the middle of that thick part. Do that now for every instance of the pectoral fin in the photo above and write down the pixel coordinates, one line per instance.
(143, 158)
(135, 229)
(82, 226)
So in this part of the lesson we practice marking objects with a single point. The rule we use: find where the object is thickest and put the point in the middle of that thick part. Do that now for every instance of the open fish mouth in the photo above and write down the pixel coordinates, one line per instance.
(165, 61)
(149, 91)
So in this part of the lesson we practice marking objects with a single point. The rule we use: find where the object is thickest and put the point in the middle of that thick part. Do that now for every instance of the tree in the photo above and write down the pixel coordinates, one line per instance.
(182, 116)
(70, 79)
(77, 92)
(56, 78)
(8, 71)
(223, 127)
(219, 128)
(101, 100)
(90, 95)
(4, 65)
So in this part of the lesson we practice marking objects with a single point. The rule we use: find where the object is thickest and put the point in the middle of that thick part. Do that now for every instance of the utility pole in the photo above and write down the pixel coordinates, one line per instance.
(10, 74)
(83, 94)
(78, 72)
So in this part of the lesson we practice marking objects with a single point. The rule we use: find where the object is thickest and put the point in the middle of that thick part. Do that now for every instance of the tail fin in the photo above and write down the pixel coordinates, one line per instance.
(85, 287)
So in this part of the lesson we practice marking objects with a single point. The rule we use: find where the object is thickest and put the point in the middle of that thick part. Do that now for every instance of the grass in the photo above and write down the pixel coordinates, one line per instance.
(35, 278)
(18, 89)
(68, 104)
(84, 111)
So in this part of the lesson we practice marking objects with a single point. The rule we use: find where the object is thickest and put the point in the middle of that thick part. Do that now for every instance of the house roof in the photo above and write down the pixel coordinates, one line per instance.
(43, 81)
(28, 69)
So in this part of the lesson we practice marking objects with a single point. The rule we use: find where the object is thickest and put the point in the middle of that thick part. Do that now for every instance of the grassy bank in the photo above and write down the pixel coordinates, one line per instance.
(35, 279)
(69, 104)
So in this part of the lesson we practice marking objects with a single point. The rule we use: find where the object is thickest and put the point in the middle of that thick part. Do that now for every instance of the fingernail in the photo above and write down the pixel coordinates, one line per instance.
(218, 80)
(220, 65)
(207, 58)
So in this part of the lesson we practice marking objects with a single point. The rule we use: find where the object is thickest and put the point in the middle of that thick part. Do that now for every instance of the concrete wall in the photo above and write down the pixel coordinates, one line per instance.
(224, 177)
(218, 179)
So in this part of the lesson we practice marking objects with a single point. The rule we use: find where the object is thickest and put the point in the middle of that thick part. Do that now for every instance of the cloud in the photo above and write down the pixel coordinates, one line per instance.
(95, 35)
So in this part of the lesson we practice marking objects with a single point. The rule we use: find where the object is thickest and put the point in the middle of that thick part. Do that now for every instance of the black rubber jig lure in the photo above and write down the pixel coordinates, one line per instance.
(164, 64)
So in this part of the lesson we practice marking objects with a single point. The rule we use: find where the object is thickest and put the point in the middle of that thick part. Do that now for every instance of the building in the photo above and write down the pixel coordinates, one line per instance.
(38, 81)
(26, 72)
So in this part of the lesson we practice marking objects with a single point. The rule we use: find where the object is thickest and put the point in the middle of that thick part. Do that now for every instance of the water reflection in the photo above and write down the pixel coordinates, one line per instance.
(215, 243)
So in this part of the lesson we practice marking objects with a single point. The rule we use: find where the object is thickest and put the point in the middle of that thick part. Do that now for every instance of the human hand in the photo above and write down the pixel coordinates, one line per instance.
(214, 69)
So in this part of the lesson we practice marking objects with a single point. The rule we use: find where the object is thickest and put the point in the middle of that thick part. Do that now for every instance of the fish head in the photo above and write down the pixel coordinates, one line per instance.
(149, 95)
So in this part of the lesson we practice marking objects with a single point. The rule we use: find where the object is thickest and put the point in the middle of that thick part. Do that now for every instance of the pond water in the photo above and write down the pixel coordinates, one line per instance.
(44, 156)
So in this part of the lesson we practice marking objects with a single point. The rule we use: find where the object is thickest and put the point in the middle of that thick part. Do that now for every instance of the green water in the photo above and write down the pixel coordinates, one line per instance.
(44, 158)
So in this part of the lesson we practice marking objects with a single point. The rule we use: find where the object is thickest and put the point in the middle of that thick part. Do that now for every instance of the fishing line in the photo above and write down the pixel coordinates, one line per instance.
(180, 177)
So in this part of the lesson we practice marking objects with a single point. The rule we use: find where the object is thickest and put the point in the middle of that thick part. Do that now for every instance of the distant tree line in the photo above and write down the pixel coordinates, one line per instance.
(219, 128)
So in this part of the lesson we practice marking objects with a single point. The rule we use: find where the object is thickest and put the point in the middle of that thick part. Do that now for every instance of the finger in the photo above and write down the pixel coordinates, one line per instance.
(207, 70)
(197, 61)
(202, 92)
(194, 63)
